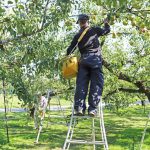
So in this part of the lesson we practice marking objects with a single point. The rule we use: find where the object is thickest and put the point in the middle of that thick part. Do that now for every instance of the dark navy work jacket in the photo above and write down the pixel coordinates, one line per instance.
(90, 42)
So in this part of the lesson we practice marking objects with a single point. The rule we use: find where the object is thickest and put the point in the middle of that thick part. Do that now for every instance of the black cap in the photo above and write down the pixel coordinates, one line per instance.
(82, 17)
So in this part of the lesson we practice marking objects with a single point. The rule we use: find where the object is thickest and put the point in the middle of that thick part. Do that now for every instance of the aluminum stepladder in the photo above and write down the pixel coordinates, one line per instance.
(58, 107)
(50, 94)
(41, 122)
(144, 132)
(69, 139)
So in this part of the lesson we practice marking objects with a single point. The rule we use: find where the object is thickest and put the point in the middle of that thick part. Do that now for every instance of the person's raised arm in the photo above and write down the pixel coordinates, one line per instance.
(103, 31)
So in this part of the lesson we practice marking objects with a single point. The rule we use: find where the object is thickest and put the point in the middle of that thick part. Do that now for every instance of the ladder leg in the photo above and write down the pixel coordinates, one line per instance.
(63, 114)
(93, 133)
(71, 134)
(94, 142)
(48, 112)
(146, 125)
(100, 119)
(69, 129)
(102, 126)
(39, 131)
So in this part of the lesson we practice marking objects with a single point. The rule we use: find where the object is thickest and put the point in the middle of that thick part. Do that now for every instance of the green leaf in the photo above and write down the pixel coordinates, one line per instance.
(21, 6)
(122, 2)
(98, 2)
(109, 3)
(2, 10)
(114, 3)
(10, 2)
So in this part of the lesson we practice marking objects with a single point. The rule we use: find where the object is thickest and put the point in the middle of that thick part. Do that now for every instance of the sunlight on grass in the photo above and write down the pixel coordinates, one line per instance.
(123, 132)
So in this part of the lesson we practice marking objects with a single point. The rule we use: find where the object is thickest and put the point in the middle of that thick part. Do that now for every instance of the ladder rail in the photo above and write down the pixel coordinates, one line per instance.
(70, 132)
(93, 133)
(59, 105)
(103, 126)
(69, 129)
(100, 122)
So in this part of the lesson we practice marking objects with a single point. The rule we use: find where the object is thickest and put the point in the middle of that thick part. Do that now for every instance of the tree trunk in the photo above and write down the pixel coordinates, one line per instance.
(4, 93)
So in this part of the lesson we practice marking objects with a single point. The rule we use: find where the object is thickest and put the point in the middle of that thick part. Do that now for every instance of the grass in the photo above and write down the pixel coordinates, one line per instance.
(11, 101)
(123, 132)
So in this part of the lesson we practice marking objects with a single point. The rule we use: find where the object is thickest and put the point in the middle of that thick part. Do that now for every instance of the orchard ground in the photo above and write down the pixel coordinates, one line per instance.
(124, 130)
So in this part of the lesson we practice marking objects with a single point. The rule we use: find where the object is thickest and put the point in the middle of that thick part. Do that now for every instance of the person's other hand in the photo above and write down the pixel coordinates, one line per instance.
(105, 21)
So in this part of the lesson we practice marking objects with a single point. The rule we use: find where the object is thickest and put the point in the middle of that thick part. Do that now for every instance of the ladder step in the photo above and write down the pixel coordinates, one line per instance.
(86, 116)
(54, 123)
(56, 116)
(85, 142)
(56, 104)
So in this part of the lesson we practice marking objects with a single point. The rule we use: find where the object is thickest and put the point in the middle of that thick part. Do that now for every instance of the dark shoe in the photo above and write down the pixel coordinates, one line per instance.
(92, 113)
(78, 113)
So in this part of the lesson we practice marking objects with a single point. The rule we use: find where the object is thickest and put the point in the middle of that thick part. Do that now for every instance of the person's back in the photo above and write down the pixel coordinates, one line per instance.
(43, 102)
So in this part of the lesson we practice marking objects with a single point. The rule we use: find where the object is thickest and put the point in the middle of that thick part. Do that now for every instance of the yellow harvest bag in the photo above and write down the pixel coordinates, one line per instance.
(70, 64)
(70, 67)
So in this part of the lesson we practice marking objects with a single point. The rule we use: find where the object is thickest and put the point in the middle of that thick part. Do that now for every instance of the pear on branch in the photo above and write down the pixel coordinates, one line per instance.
(133, 23)
(114, 35)
(125, 22)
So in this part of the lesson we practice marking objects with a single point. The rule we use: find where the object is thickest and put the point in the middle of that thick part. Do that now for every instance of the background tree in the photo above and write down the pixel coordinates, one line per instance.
(35, 34)
(126, 50)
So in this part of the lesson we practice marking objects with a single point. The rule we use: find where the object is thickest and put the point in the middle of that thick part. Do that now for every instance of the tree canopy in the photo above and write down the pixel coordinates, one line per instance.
(34, 36)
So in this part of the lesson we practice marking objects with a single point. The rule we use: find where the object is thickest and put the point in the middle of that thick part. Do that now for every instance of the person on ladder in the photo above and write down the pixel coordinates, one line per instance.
(90, 66)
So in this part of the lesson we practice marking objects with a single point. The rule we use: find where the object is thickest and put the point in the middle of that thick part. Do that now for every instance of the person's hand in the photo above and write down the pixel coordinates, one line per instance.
(105, 21)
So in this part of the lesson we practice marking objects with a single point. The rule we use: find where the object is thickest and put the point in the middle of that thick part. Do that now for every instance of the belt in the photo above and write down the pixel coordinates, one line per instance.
(90, 54)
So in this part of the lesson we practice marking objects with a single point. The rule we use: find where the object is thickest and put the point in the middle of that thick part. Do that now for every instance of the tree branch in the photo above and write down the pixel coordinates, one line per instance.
(129, 90)
(122, 76)
(2, 42)
(45, 9)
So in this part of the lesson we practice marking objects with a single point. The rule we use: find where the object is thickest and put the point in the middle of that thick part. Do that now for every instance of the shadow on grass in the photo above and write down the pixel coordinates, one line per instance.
(23, 138)
(121, 132)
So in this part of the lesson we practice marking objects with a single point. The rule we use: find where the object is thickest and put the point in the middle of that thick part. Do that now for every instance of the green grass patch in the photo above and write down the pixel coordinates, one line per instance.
(123, 132)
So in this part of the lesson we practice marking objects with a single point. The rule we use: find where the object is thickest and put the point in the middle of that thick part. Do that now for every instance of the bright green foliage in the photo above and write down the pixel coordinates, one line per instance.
(31, 30)
(125, 49)
(34, 36)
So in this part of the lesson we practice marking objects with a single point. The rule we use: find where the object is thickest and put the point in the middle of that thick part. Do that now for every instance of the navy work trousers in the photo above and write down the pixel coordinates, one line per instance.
(89, 73)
